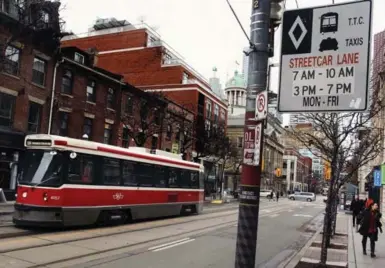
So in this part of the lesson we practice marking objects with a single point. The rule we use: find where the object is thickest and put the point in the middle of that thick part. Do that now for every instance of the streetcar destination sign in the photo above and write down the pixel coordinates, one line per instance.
(325, 56)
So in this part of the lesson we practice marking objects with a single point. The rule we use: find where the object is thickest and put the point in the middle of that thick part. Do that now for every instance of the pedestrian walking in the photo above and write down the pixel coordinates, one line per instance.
(355, 207)
(277, 195)
(369, 228)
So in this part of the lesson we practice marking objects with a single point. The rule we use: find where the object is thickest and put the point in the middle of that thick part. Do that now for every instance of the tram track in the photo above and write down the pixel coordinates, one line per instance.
(110, 231)
(127, 229)
(12, 231)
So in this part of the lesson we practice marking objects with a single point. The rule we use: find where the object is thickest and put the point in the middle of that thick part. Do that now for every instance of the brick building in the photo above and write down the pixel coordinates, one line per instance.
(149, 63)
(29, 40)
(94, 102)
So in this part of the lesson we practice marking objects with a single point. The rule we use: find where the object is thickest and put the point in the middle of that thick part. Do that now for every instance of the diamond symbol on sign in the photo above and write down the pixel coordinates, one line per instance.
(297, 42)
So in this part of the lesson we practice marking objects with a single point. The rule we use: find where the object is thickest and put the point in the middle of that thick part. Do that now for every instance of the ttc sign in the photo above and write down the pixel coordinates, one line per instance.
(325, 58)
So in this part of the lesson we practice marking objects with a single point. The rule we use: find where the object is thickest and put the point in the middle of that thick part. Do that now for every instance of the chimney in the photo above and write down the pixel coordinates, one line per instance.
(93, 56)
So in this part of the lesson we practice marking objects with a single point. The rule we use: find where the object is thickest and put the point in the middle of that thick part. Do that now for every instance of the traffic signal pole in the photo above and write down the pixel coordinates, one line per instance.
(251, 174)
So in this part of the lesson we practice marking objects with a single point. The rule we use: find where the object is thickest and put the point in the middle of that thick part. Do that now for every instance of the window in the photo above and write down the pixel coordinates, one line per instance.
(7, 108)
(87, 127)
(110, 98)
(66, 83)
(91, 96)
(143, 110)
(154, 142)
(240, 142)
(129, 178)
(79, 58)
(44, 16)
(107, 133)
(129, 104)
(169, 132)
(208, 110)
(9, 7)
(64, 118)
(144, 175)
(12, 60)
(81, 169)
(111, 171)
(223, 115)
(216, 112)
(125, 138)
(157, 117)
(207, 125)
(185, 78)
(178, 133)
(34, 117)
(38, 71)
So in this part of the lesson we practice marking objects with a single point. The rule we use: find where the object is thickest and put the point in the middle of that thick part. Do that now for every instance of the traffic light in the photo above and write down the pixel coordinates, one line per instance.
(278, 172)
(276, 9)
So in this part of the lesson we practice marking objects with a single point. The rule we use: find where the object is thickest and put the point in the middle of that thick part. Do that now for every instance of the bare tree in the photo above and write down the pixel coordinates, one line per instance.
(348, 141)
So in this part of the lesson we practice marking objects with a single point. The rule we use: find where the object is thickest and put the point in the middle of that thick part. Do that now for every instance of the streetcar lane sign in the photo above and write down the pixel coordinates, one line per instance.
(325, 57)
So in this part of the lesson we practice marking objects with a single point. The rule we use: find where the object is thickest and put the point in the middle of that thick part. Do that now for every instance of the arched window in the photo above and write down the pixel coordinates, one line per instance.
(44, 16)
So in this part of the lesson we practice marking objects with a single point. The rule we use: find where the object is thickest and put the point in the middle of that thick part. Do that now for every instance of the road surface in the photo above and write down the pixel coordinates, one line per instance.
(206, 240)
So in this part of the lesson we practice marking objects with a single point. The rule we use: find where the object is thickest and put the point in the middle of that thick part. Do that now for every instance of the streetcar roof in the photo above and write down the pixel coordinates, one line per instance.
(44, 141)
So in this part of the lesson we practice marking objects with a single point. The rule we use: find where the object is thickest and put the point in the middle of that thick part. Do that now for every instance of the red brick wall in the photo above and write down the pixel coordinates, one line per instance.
(24, 87)
(137, 38)
(77, 102)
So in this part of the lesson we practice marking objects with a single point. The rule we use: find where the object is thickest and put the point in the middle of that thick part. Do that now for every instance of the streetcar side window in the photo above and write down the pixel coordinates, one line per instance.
(81, 169)
(129, 178)
(111, 171)
(194, 178)
(173, 177)
(149, 175)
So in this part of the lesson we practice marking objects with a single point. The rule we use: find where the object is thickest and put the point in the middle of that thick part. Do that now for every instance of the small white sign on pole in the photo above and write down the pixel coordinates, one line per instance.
(261, 106)
(258, 140)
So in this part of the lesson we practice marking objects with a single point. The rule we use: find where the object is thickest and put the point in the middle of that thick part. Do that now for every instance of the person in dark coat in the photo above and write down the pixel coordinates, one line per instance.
(355, 207)
(369, 228)
(277, 196)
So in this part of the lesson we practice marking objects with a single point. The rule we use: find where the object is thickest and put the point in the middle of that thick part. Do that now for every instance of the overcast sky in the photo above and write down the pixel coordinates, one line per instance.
(204, 32)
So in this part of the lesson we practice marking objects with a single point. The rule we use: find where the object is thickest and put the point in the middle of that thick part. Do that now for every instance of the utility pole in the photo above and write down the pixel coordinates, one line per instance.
(251, 175)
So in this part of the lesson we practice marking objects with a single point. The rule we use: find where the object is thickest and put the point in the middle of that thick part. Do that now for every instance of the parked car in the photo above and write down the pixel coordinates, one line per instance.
(266, 193)
(304, 196)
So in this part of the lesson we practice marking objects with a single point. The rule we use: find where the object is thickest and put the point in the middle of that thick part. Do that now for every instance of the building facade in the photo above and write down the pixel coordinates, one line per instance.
(95, 104)
(26, 78)
(297, 170)
(147, 62)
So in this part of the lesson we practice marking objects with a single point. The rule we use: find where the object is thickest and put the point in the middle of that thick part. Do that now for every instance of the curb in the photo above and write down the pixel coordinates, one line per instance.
(294, 259)
(16, 234)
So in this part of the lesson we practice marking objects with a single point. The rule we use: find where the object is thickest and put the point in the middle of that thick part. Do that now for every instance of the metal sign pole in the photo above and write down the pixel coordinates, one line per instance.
(253, 138)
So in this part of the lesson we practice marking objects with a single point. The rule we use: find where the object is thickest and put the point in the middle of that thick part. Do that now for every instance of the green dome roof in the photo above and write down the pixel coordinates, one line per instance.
(238, 80)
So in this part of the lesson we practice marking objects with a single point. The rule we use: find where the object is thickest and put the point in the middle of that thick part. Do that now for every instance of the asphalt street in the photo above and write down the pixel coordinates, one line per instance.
(283, 230)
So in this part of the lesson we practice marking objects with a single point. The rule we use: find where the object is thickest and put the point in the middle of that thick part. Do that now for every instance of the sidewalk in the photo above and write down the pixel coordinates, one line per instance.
(356, 258)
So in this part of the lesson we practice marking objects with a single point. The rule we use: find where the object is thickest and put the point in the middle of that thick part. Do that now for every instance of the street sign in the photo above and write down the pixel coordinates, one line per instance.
(377, 177)
(252, 145)
(261, 106)
(249, 146)
(325, 57)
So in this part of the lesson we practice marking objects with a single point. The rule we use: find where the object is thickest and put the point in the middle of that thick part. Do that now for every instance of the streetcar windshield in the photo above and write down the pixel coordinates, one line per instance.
(41, 167)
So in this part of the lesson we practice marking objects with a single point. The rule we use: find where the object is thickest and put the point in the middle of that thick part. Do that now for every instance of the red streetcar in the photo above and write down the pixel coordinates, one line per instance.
(70, 182)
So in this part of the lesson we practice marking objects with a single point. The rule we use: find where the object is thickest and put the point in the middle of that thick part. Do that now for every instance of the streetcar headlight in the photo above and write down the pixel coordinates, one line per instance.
(45, 197)
(24, 194)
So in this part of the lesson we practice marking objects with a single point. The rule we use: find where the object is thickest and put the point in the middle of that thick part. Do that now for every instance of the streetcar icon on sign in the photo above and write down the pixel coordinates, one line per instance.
(329, 23)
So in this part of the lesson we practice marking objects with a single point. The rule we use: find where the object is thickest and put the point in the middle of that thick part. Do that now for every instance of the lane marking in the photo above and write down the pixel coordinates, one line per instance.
(170, 243)
(274, 215)
(290, 210)
(266, 210)
(174, 245)
(303, 215)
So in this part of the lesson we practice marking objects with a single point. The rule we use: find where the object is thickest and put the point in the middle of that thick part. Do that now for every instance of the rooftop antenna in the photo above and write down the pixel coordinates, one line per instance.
(142, 19)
